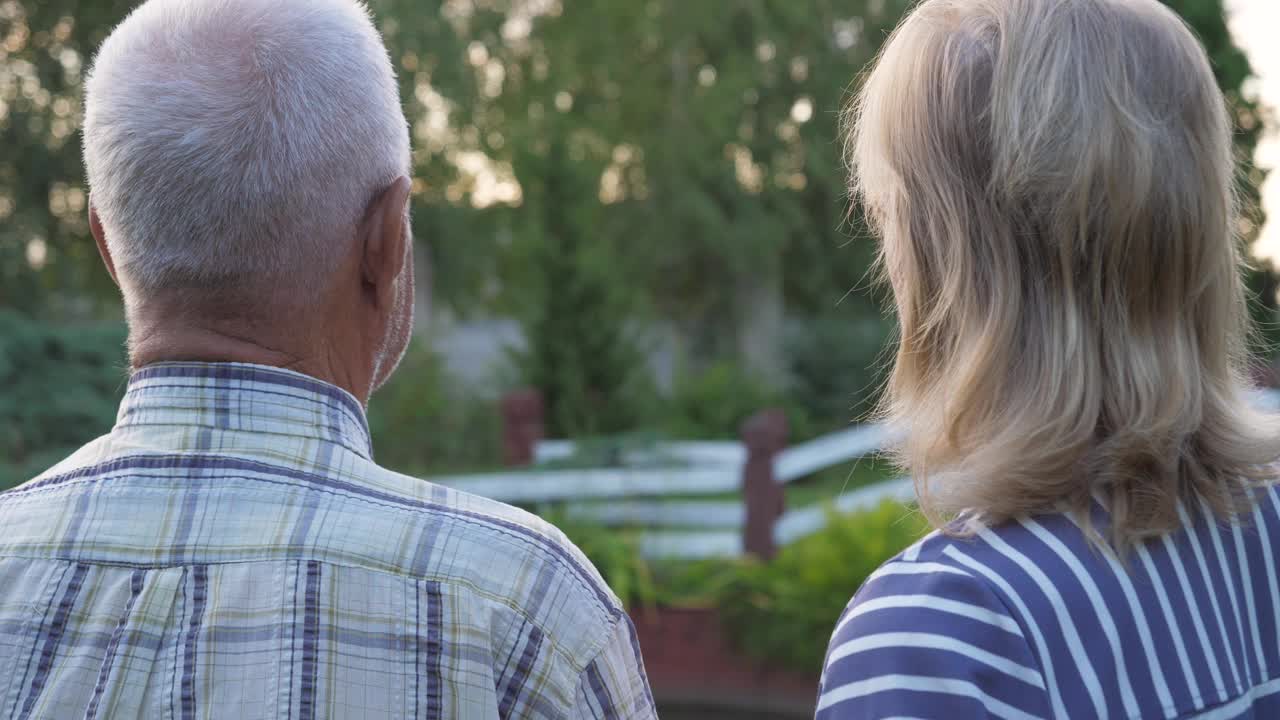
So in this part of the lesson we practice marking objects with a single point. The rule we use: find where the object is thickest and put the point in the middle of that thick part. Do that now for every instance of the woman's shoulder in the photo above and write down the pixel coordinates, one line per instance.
(958, 614)
(1029, 571)
(1031, 611)
(943, 573)
(932, 621)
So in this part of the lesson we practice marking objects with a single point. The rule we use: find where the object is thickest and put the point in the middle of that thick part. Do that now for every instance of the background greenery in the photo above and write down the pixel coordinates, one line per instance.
(62, 385)
(593, 169)
(781, 611)
(590, 168)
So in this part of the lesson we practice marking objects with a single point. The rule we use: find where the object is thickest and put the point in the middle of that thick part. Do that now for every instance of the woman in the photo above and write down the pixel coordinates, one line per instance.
(1053, 182)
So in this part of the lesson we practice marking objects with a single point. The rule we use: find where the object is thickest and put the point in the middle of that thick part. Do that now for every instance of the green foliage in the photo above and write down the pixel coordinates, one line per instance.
(580, 354)
(712, 404)
(62, 387)
(664, 155)
(782, 611)
(837, 366)
(703, 134)
(45, 52)
(695, 583)
(423, 423)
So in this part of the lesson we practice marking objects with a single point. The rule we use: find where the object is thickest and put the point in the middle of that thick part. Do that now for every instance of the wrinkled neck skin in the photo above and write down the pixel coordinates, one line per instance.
(318, 344)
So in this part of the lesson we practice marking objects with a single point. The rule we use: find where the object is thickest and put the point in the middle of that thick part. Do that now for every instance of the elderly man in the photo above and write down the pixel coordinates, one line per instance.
(230, 549)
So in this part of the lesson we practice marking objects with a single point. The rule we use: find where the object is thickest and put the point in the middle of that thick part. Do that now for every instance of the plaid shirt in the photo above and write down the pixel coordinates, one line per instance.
(231, 550)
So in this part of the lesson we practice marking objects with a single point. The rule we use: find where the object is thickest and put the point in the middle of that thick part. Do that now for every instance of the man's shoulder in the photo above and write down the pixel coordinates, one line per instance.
(348, 511)
(498, 551)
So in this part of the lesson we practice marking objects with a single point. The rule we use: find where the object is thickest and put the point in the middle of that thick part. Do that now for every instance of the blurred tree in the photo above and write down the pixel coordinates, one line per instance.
(61, 386)
(581, 353)
(711, 127)
(47, 261)
(706, 134)
(1231, 67)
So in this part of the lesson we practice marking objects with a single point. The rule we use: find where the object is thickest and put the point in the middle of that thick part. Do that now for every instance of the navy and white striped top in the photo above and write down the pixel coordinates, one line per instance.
(1027, 620)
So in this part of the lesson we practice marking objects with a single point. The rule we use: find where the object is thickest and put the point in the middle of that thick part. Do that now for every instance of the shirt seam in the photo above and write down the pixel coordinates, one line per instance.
(990, 589)
(592, 650)
(90, 478)
(610, 629)
(364, 455)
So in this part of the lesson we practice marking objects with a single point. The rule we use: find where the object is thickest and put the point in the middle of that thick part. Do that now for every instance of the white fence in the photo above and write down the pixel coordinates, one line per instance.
(793, 462)
(723, 535)
(532, 486)
(691, 528)
(634, 497)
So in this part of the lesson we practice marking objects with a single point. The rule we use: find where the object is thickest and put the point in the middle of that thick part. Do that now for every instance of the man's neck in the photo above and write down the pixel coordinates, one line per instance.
(151, 343)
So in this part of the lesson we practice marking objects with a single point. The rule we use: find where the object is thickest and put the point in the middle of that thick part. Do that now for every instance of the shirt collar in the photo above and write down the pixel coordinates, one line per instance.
(246, 397)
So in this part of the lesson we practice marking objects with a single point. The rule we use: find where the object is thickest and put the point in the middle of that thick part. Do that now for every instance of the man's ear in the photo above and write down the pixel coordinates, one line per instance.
(100, 238)
(385, 241)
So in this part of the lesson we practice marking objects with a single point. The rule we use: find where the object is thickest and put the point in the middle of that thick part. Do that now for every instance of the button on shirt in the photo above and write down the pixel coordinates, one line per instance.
(231, 550)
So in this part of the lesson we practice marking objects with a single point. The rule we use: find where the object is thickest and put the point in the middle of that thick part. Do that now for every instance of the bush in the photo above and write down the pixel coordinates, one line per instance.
(780, 612)
(783, 611)
(422, 422)
(837, 366)
(62, 388)
(713, 403)
(695, 583)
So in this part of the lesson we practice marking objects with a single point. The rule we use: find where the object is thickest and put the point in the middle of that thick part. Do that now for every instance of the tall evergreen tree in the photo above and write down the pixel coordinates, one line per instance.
(580, 353)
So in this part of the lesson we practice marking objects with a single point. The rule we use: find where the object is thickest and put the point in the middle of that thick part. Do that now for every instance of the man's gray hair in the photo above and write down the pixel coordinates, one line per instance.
(237, 143)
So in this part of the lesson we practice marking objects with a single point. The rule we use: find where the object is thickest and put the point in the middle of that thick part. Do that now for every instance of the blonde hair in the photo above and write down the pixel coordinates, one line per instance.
(1053, 183)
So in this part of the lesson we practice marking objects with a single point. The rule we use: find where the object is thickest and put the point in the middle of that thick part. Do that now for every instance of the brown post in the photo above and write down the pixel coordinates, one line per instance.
(522, 426)
(764, 434)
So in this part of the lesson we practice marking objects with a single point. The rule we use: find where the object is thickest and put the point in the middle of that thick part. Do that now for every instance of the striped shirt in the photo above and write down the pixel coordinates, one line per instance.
(231, 550)
(1027, 620)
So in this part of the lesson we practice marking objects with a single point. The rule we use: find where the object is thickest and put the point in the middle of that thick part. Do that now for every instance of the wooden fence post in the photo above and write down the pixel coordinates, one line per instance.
(522, 426)
(764, 434)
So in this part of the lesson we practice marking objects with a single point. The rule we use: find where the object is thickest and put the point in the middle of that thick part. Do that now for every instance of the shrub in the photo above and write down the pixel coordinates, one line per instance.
(423, 422)
(695, 583)
(783, 611)
(713, 403)
(62, 388)
(837, 366)
(780, 612)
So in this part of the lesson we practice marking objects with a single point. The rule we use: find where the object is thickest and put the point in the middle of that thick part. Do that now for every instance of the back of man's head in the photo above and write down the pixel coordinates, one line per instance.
(233, 145)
